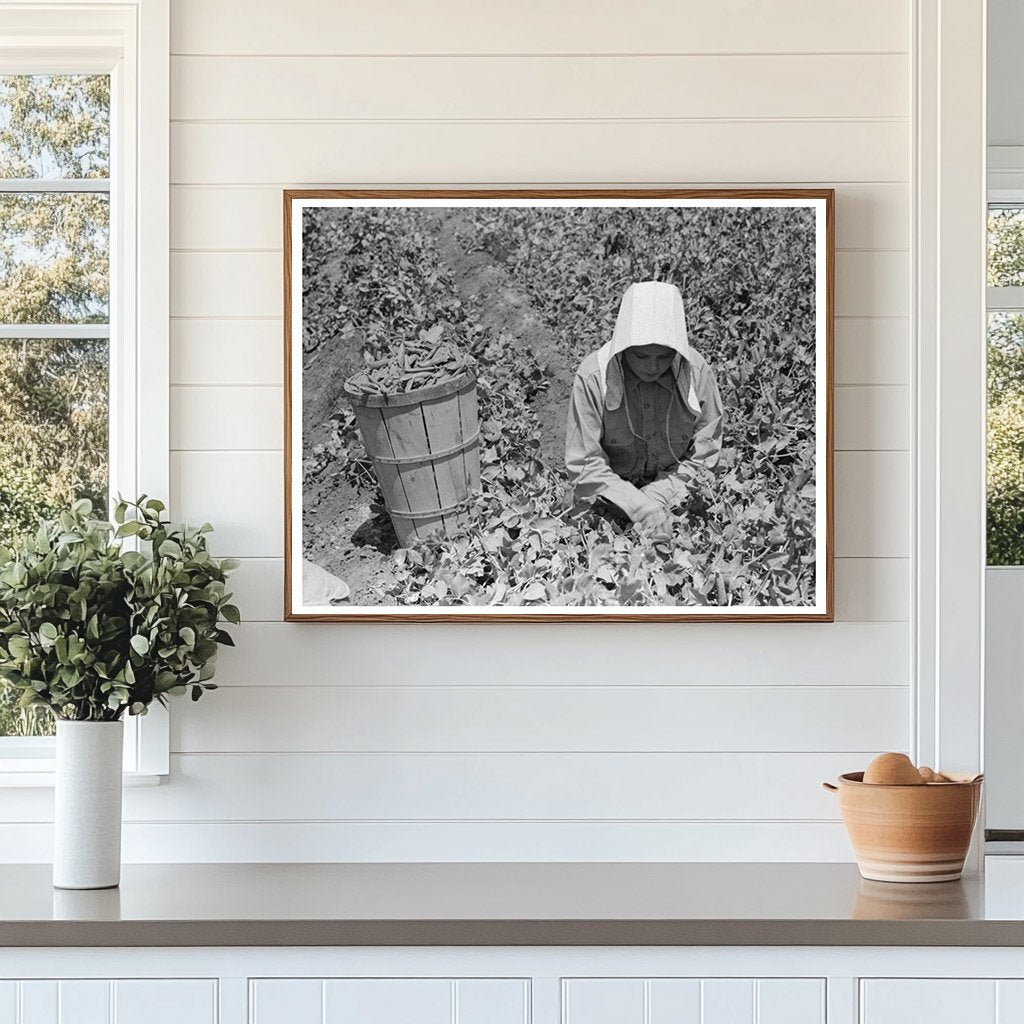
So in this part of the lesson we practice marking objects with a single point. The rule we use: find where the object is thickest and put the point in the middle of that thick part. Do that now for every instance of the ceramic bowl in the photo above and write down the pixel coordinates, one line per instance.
(909, 833)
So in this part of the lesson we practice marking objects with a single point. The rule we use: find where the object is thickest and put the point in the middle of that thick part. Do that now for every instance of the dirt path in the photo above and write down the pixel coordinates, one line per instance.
(482, 280)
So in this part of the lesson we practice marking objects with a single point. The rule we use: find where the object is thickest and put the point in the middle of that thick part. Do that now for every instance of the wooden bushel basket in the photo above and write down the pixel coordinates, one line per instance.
(425, 448)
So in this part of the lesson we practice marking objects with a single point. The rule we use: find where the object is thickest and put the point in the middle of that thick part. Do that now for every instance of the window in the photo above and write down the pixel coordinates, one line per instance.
(54, 309)
(84, 125)
(1005, 478)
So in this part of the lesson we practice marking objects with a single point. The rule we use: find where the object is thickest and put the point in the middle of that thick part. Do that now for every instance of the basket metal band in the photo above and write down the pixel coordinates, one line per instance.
(431, 513)
(408, 460)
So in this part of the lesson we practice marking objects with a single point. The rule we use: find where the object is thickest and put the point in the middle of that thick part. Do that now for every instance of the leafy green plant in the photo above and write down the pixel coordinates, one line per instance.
(91, 630)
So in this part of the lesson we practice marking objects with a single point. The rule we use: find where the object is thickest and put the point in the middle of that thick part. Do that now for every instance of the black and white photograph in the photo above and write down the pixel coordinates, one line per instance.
(527, 405)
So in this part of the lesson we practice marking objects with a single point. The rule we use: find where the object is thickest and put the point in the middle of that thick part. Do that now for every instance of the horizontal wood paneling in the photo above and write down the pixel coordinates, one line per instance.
(479, 786)
(539, 88)
(531, 152)
(872, 350)
(243, 787)
(869, 350)
(873, 283)
(872, 589)
(465, 841)
(732, 93)
(209, 418)
(241, 492)
(233, 284)
(227, 352)
(868, 216)
(671, 654)
(872, 418)
(258, 586)
(535, 26)
(553, 718)
(236, 418)
(872, 504)
(867, 589)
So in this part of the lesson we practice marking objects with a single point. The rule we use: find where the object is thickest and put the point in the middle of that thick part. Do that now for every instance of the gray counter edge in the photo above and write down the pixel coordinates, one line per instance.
(510, 933)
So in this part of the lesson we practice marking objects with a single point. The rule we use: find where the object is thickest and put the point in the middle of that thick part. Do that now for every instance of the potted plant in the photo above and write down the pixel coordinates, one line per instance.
(93, 628)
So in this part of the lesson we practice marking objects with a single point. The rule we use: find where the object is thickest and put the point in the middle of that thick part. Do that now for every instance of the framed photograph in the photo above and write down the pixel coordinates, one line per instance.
(564, 405)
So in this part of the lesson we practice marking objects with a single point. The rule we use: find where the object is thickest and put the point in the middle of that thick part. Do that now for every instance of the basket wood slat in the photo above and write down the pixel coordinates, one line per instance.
(425, 449)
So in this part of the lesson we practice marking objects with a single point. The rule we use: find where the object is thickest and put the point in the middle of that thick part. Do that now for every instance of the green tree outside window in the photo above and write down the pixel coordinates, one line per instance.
(1005, 478)
(54, 308)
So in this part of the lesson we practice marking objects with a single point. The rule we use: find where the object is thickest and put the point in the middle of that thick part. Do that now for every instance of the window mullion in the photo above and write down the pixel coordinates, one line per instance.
(54, 185)
(64, 332)
(1005, 300)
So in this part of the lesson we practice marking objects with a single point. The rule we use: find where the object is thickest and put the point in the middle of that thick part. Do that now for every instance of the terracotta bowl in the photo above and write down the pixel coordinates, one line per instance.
(909, 833)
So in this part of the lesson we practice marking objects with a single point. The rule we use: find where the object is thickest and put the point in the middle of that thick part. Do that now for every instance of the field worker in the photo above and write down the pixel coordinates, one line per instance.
(644, 413)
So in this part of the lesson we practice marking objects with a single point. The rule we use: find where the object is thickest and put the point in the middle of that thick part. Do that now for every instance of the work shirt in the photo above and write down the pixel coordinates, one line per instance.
(639, 455)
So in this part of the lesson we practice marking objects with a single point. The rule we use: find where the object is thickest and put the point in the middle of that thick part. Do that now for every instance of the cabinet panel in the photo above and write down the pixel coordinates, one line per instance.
(8, 1002)
(286, 1001)
(1010, 1002)
(103, 1001)
(929, 1001)
(490, 1001)
(388, 1001)
(603, 1001)
(38, 1002)
(165, 1002)
(727, 1001)
(693, 1001)
(674, 1000)
(84, 1002)
(790, 1001)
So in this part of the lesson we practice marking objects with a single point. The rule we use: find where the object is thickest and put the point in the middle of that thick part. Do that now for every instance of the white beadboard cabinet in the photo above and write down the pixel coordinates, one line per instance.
(942, 1001)
(109, 1001)
(389, 1001)
(696, 1000)
(513, 985)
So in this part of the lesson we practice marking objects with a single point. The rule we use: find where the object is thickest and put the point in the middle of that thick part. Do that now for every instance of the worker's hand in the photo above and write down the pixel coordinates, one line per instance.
(653, 518)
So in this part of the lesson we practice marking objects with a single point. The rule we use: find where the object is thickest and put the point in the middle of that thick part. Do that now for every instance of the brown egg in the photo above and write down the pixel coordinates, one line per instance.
(893, 770)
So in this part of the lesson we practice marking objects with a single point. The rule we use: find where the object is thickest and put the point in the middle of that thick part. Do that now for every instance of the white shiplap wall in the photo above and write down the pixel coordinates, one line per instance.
(688, 741)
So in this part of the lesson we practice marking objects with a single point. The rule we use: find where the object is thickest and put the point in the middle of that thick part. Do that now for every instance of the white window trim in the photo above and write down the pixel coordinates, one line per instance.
(1003, 713)
(131, 41)
(949, 445)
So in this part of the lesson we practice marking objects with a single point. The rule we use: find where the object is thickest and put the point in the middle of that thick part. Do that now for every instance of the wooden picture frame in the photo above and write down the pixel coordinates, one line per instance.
(819, 204)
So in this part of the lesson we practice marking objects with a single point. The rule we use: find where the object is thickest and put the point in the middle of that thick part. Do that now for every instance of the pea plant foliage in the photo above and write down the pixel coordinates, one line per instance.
(442, 345)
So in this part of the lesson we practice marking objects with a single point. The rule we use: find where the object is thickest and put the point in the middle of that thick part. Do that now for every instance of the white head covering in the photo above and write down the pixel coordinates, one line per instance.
(651, 313)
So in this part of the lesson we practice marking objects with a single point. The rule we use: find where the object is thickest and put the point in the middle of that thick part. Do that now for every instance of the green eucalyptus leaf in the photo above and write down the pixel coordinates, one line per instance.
(74, 605)
(19, 646)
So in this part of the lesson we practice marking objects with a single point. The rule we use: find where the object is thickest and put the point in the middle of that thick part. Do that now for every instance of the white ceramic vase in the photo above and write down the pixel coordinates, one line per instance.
(87, 805)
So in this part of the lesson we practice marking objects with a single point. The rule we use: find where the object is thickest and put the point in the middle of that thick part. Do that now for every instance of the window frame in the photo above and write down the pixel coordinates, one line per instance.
(1002, 711)
(1006, 298)
(130, 41)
